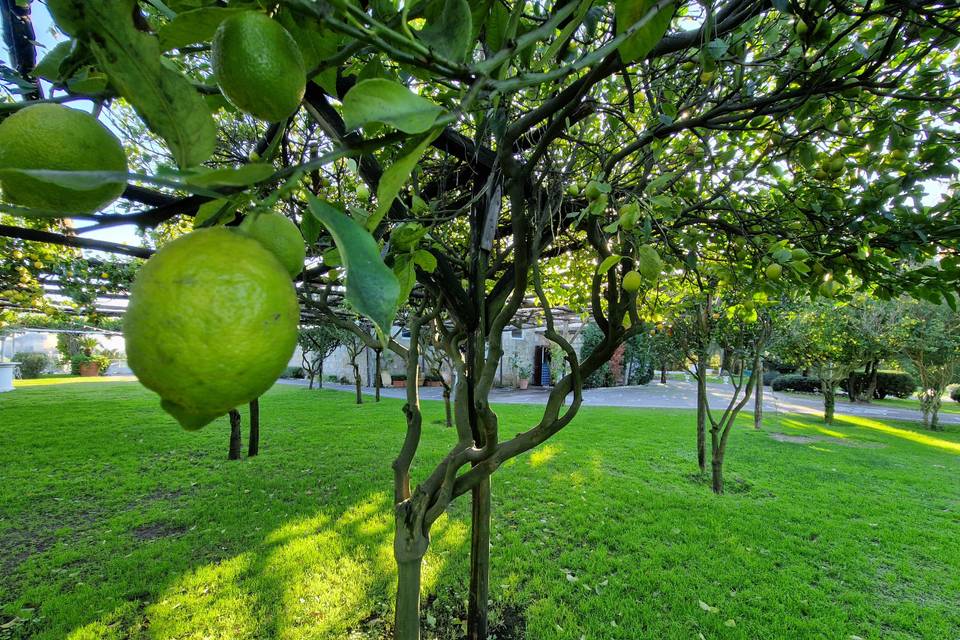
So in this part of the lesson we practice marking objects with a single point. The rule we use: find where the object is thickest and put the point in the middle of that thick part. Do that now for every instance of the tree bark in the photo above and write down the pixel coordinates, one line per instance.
(716, 482)
(235, 443)
(356, 381)
(376, 382)
(311, 381)
(829, 401)
(871, 381)
(320, 375)
(253, 446)
(702, 415)
(446, 403)
(853, 391)
(663, 373)
(407, 619)
(477, 619)
(758, 400)
(410, 543)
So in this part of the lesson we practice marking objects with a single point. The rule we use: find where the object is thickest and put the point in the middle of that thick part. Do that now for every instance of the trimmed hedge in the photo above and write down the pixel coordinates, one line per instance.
(955, 393)
(770, 376)
(31, 364)
(889, 383)
(795, 382)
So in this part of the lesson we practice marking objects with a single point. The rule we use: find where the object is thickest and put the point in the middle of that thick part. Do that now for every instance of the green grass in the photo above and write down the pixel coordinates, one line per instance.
(948, 406)
(115, 523)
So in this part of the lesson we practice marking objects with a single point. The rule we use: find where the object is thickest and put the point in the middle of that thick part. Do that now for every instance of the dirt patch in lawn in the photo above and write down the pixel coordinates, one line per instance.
(155, 530)
(785, 437)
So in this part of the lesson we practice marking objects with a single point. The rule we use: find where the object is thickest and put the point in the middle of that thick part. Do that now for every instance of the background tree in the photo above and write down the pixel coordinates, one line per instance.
(317, 343)
(355, 346)
(822, 336)
(931, 346)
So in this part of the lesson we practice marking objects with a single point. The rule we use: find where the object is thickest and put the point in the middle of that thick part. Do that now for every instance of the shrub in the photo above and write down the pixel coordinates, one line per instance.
(292, 372)
(770, 376)
(955, 393)
(641, 375)
(794, 382)
(31, 364)
(889, 383)
(592, 336)
(399, 376)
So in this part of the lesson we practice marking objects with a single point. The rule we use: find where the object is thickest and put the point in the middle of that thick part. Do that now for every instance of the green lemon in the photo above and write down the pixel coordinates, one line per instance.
(773, 271)
(593, 190)
(54, 137)
(259, 66)
(281, 236)
(211, 324)
(632, 282)
(648, 262)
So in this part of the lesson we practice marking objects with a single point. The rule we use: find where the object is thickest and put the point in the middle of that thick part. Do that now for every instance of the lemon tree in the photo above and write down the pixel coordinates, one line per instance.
(498, 140)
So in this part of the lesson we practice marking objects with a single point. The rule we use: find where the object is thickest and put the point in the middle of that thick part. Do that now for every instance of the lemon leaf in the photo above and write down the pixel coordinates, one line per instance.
(608, 263)
(372, 288)
(241, 176)
(396, 175)
(388, 102)
(449, 30)
(189, 27)
(645, 37)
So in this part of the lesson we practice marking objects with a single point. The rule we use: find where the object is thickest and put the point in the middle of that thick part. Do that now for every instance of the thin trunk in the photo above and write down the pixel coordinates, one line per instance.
(853, 392)
(446, 403)
(311, 381)
(407, 620)
(376, 383)
(356, 381)
(663, 373)
(871, 381)
(702, 417)
(829, 401)
(477, 621)
(253, 447)
(758, 401)
(320, 375)
(235, 444)
(716, 464)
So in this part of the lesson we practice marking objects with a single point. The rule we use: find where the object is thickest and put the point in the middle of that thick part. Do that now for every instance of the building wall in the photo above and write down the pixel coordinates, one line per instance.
(523, 343)
(46, 342)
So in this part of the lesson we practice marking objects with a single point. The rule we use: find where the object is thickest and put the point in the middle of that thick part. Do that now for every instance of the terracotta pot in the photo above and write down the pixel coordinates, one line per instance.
(89, 370)
(433, 383)
(400, 383)
(522, 384)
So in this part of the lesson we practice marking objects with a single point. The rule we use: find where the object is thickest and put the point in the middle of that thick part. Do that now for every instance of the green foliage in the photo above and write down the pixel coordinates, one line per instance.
(639, 355)
(590, 340)
(955, 393)
(31, 364)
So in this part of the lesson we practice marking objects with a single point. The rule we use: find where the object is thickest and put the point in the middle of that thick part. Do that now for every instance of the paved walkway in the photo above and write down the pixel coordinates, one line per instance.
(674, 395)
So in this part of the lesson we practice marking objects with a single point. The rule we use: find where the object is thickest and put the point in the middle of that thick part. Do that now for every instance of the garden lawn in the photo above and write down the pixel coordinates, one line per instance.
(115, 523)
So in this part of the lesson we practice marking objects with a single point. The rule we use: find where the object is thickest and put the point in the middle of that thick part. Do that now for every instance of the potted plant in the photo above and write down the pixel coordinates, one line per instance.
(89, 366)
(432, 381)
(400, 380)
(523, 376)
